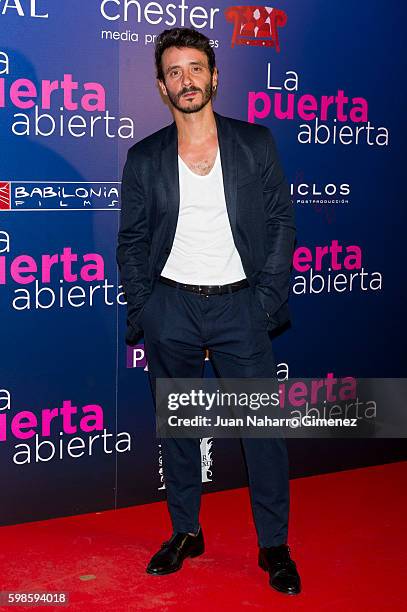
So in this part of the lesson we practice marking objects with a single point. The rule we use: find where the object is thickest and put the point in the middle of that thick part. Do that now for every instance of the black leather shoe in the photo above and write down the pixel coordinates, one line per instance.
(282, 569)
(173, 552)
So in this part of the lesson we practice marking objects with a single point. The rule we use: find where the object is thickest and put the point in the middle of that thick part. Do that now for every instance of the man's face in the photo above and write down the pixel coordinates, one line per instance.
(186, 72)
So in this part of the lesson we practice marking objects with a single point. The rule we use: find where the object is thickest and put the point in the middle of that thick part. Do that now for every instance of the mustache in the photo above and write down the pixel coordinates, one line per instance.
(185, 91)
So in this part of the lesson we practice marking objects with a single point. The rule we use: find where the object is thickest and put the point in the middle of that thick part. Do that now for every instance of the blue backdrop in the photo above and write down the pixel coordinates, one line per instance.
(77, 89)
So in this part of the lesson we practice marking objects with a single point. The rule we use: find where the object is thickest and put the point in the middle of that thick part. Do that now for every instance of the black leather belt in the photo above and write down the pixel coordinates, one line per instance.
(206, 289)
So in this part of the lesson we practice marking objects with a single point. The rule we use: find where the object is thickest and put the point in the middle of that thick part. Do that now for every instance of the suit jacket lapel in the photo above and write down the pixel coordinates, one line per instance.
(170, 175)
(227, 147)
(170, 178)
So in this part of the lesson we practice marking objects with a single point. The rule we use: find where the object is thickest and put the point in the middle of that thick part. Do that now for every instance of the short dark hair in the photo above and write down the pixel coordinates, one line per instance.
(182, 37)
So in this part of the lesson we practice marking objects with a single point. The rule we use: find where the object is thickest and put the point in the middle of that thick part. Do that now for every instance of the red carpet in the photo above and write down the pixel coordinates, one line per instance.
(347, 535)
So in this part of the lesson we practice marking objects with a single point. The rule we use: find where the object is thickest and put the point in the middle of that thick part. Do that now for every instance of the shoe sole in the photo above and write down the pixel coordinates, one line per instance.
(171, 571)
(264, 568)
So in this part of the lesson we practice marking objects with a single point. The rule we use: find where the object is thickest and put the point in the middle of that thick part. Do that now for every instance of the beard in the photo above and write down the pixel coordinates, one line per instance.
(192, 107)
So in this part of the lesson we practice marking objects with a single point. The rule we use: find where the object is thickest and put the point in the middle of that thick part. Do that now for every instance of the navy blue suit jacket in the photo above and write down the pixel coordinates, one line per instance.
(258, 203)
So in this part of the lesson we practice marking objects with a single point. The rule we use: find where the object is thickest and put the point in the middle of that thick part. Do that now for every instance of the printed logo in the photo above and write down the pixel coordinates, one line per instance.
(47, 434)
(65, 279)
(206, 456)
(206, 462)
(16, 7)
(136, 357)
(256, 26)
(59, 195)
(332, 268)
(5, 201)
(43, 107)
(306, 192)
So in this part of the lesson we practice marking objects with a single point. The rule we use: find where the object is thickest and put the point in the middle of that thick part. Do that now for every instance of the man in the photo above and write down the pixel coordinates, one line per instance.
(204, 249)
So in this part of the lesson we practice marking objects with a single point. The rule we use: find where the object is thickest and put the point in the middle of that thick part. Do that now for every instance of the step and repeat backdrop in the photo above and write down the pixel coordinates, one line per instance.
(77, 89)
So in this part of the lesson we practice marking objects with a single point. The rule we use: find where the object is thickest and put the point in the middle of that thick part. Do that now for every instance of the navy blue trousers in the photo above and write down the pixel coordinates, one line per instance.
(178, 326)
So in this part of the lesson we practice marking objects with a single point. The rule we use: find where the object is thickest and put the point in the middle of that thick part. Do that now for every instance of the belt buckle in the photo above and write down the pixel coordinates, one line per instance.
(202, 292)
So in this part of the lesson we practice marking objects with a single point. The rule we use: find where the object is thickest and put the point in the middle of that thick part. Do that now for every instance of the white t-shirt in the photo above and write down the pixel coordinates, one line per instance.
(203, 251)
